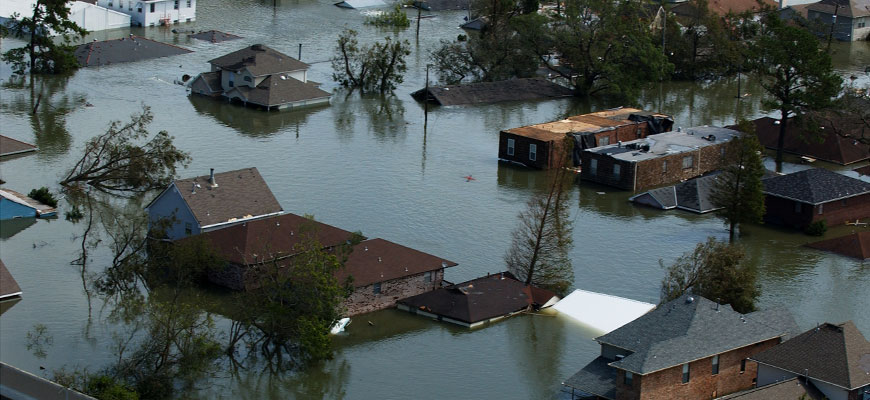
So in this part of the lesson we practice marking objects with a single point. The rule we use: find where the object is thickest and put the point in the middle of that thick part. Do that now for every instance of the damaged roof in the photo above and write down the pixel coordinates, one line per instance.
(493, 92)
(663, 144)
(591, 122)
(214, 36)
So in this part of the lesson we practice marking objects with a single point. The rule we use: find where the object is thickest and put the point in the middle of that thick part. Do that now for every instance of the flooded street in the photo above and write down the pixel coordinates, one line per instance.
(365, 163)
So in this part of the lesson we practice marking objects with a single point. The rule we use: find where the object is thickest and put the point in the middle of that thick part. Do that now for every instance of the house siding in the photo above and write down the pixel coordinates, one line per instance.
(10, 209)
(781, 211)
(168, 205)
(162, 9)
(364, 300)
(603, 172)
(768, 375)
(667, 384)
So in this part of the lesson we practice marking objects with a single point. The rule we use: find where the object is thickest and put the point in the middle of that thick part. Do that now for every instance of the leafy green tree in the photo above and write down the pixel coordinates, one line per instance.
(715, 270)
(703, 45)
(379, 67)
(395, 18)
(116, 161)
(538, 254)
(44, 196)
(43, 55)
(796, 74)
(738, 188)
(497, 53)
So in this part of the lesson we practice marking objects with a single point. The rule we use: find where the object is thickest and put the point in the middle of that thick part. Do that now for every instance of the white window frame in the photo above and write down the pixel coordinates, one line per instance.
(533, 152)
(593, 166)
(686, 377)
(715, 365)
(690, 159)
(604, 141)
(664, 166)
(511, 147)
(617, 171)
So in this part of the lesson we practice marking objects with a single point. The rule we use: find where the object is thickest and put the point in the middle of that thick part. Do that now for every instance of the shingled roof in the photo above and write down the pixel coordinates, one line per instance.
(8, 286)
(833, 148)
(815, 186)
(789, 389)
(690, 328)
(855, 245)
(239, 194)
(493, 92)
(214, 36)
(691, 195)
(480, 299)
(847, 8)
(280, 89)
(129, 49)
(271, 238)
(10, 146)
(379, 260)
(836, 354)
(259, 60)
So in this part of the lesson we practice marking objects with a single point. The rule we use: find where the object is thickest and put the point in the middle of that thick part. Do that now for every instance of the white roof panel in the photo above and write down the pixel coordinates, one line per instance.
(601, 311)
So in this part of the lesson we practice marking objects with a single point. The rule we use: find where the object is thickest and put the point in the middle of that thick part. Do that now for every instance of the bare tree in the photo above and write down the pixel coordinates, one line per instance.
(539, 252)
(116, 162)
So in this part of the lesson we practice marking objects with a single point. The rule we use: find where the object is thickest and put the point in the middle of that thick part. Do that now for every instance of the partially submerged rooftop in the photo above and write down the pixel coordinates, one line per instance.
(692, 195)
(600, 311)
(41, 210)
(493, 92)
(592, 122)
(837, 354)
(259, 60)
(815, 186)
(380, 260)
(129, 49)
(10, 146)
(8, 286)
(855, 245)
(279, 89)
(790, 389)
(477, 301)
(832, 147)
(662, 144)
(214, 36)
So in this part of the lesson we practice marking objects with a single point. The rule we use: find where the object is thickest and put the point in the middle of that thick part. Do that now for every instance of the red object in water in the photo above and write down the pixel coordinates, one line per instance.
(468, 178)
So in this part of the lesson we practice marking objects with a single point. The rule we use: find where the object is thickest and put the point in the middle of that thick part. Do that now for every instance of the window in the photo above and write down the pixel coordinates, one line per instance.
(110, 4)
(120, 3)
(629, 377)
(797, 208)
(188, 229)
(593, 166)
(533, 152)
(231, 80)
(603, 141)
(152, 7)
(139, 10)
(686, 373)
(716, 364)
(247, 79)
(510, 147)
(377, 288)
(821, 206)
(617, 170)
(175, 6)
(189, 3)
(664, 166)
(742, 365)
(688, 162)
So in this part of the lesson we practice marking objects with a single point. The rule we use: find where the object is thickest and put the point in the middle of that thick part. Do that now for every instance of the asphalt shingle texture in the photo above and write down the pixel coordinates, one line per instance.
(815, 186)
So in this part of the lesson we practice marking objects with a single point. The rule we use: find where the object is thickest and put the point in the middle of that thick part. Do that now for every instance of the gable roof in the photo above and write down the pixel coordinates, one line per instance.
(855, 245)
(239, 194)
(270, 238)
(479, 299)
(214, 36)
(815, 186)
(722, 7)
(833, 148)
(10, 146)
(259, 60)
(212, 80)
(691, 195)
(789, 389)
(690, 328)
(836, 354)
(378, 260)
(15, 197)
(492, 92)
(280, 89)
(8, 286)
(847, 8)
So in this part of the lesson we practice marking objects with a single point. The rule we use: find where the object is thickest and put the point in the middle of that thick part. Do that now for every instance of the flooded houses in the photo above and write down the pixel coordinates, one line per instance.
(11, 147)
(801, 198)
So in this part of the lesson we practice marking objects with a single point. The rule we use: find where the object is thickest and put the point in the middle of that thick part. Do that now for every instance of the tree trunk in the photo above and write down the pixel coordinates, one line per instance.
(780, 142)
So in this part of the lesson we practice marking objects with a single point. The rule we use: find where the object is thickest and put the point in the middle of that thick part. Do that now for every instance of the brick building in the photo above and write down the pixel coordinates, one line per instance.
(688, 348)
(657, 160)
(542, 145)
(382, 271)
(801, 198)
(835, 359)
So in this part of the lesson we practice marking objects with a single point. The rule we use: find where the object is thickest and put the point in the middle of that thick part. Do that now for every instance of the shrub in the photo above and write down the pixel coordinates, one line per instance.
(817, 228)
(44, 196)
(396, 18)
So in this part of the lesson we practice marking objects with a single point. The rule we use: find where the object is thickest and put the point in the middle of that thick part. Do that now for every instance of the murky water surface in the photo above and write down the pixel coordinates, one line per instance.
(365, 163)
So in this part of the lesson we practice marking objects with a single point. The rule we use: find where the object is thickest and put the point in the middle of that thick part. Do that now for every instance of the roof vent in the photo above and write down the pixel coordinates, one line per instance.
(258, 47)
(291, 233)
(366, 248)
(619, 357)
(690, 300)
(619, 143)
(211, 181)
(379, 259)
(193, 189)
(443, 264)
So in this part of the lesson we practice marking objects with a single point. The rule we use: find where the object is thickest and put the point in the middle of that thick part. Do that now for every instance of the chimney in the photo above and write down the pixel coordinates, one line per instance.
(193, 189)
(211, 181)
(782, 4)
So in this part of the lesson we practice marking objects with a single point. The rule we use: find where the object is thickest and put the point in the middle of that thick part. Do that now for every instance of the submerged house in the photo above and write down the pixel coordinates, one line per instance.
(833, 358)
(692, 195)
(9, 288)
(86, 14)
(846, 20)
(16, 205)
(855, 245)
(801, 198)
(261, 76)
(381, 271)
(205, 203)
(11, 147)
(153, 12)
(832, 147)
(492, 92)
(479, 301)
(542, 145)
(656, 160)
(688, 348)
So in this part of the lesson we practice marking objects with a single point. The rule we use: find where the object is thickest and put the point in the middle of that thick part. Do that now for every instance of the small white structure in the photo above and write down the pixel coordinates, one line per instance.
(154, 12)
(601, 311)
(89, 16)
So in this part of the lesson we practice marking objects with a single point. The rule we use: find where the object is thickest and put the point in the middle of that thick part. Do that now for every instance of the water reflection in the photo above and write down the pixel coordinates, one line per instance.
(10, 227)
(384, 115)
(252, 122)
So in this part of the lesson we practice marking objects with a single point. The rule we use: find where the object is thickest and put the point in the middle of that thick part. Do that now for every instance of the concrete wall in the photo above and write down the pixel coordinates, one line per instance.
(10, 209)
(667, 384)
(364, 299)
(171, 204)
(97, 18)
(141, 14)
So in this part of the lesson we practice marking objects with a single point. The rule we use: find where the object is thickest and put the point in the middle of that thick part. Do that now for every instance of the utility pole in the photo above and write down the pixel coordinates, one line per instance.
(418, 26)
(833, 24)
(300, 52)
(426, 101)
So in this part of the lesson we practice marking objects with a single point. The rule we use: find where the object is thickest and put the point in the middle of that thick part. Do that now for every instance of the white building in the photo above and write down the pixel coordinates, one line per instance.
(154, 12)
(89, 16)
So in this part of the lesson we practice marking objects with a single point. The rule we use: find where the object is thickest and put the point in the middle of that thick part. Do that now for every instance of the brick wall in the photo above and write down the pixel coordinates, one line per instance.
(782, 211)
(545, 154)
(364, 299)
(667, 384)
(603, 172)
(623, 133)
